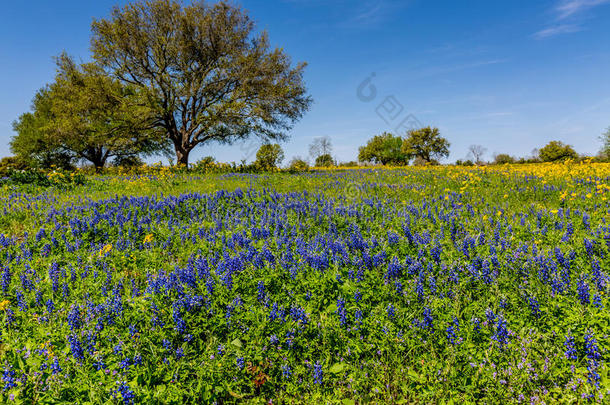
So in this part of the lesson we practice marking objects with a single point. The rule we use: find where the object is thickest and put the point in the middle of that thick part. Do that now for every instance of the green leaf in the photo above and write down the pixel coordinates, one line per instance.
(337, 368)
(237, 343)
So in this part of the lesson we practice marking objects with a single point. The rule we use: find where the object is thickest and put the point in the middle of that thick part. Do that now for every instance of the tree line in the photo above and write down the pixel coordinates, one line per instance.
(166, 78)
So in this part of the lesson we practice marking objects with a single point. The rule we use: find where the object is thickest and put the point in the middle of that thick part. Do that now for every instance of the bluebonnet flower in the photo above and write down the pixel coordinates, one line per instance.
(286, 371)
(74, 318)
(318, 374)
(597, 301)
(50, 306)
(76, 348)
(391, 311)
(534, 306)
(127, 394)
(501, 334)
(239, 362)
(261, 291)
(55, 367)
(583, 292)
(358, 317)
(591, 348)
(476, 324)
(8, 376)
(570, 353)
(341, 311)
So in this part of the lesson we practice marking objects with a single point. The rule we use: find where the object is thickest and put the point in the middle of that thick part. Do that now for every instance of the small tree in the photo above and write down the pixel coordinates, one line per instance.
(477, 152)
(298, 165)
(385, 149)
(426, 144)
(605, 150)
(205, 74)
(503, 158)
(269, 156)
(325, 160)
(320, 146)
(557, 151)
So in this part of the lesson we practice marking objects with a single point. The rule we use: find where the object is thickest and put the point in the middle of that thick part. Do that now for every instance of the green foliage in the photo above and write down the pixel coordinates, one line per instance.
(11, 163)
(37, 177)
(556, 151)
(426, 144)
(84, 115)
(269, 156)
(298, 165)
(33, 144)
(385, 149)
(605, 150)
(503, 158)
(325, 160)
(204, 74)
(97, 118)
(466, 162)
(128, 162)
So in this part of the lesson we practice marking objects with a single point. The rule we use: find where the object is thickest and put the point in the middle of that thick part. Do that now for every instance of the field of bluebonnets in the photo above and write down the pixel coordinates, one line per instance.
(412, 285)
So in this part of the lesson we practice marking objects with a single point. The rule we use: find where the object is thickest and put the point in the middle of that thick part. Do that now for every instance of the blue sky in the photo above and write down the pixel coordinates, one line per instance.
(509, 75)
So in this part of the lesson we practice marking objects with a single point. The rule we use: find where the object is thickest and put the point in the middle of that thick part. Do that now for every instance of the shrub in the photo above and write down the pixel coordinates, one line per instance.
(298, 165)
(325, 160)
(503, 158)
(556, 151)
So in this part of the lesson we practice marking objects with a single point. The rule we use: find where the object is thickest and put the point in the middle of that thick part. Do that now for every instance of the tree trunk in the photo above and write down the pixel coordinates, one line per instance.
(182, 155)
(99, 165)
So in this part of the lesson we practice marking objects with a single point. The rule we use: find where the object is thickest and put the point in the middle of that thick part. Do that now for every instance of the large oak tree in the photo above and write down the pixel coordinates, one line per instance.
(207, 76)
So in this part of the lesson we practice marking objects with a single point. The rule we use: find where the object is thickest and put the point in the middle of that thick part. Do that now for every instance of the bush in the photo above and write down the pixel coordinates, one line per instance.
(325, 160)
(503, 158)
(420, 161)
(556, 151)
(11, 163)
(298, 165)
(40, 178)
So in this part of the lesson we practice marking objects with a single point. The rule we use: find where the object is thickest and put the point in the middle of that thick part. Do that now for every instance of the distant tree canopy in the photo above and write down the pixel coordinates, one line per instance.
(426, 145)
(269, 156)
(203, 73)
(385, 149)
(298, 165)
(503, 158)
(84, 114)
(557, 150)
(325, 160)
(605, 150)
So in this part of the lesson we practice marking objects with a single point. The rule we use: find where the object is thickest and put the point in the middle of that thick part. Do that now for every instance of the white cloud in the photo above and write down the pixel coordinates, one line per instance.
(558, 29)
(568, 17)
(568, 8)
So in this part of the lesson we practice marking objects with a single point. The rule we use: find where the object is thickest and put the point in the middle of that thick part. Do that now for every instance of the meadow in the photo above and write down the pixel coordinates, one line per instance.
(404, 285)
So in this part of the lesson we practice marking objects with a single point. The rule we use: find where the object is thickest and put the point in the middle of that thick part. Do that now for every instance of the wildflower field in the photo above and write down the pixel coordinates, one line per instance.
(409, 285)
